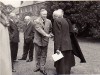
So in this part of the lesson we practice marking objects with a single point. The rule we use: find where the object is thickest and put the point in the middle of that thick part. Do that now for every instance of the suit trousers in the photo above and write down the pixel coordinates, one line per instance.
(14, 51)
(28, 48)
(63, 66)
(40, 55)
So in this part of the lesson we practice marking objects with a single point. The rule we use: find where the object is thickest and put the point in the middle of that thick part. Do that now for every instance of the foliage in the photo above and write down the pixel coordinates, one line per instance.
(85, 14)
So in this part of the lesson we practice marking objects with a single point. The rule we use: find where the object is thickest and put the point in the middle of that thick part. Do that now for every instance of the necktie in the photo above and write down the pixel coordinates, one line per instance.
(43, 22)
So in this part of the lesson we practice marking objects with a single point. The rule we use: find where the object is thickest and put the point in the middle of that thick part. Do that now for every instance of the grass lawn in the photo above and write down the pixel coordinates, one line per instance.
(90, 49)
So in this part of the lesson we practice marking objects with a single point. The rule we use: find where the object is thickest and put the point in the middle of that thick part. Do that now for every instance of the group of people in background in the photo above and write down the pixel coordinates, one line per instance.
(36, 37)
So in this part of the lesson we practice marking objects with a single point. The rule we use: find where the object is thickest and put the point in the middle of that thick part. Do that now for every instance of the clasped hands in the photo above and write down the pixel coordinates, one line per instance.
(49, 35)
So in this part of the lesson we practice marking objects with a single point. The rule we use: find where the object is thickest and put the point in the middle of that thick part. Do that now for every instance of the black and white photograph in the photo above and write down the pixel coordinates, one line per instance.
(49, 37)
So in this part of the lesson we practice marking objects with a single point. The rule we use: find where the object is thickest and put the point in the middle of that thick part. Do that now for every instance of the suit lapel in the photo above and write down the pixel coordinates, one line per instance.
(41, 21)
(46, 24)
(14, 24)
(27, 27)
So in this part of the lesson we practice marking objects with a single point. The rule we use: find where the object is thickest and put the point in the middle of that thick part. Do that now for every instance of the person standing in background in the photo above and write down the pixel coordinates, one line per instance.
(28, 40)
(14, 37)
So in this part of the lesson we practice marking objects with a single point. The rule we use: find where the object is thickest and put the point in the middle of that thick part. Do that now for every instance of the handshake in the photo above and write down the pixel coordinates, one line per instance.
(49, 35)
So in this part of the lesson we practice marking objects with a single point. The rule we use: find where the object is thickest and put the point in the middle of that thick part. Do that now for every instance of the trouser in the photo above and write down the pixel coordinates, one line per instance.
(63, 66)
(41, 54)
(28, 48)
(14, 51)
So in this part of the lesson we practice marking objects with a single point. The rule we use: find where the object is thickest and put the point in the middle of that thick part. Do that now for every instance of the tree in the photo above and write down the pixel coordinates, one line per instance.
(85, 14)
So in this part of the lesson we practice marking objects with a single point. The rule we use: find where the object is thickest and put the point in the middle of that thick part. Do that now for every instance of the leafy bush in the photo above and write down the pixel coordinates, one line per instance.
(85, 14)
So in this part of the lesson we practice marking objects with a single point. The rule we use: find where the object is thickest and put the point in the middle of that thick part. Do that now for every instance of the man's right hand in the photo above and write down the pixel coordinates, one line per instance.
(48, 35)
(58, 51)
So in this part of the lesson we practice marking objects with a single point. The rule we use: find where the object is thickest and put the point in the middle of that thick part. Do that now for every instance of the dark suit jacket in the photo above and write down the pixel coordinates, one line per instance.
(41, 30)
(13, 31)
(62, 39)
(29, 32)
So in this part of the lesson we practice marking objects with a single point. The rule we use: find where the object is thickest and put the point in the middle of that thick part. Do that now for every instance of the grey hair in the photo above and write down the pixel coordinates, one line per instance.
(55, 15)
(27, 17)
(58, 13)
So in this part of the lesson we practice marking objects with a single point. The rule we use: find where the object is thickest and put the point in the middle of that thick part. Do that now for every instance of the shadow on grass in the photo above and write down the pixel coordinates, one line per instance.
(88, 39)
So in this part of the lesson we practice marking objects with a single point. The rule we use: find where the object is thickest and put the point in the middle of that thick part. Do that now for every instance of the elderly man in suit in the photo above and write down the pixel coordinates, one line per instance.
(43, 27)
(28, 40)
(14, 37)
(64, 43)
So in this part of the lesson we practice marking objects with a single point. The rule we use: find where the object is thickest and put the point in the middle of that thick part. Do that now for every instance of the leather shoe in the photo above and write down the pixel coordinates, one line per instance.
(22, 59)
(43, 72)
(29, 60)
(37, 69)
(15, 61)
(82, 61)
(13, 70)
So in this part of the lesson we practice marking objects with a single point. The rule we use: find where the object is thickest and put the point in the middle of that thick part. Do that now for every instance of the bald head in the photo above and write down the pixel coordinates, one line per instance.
(27, 18)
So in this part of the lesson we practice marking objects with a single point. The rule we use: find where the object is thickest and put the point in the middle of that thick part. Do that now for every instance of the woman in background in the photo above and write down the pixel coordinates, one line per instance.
(5, 54)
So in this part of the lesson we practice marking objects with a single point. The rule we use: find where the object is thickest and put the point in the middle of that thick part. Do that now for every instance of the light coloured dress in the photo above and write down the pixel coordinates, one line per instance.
(5, 54)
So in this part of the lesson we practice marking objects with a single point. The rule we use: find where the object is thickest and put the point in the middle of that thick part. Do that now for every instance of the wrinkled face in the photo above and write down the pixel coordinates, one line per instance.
(55, 16)
(43, 14)
(27, 20)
